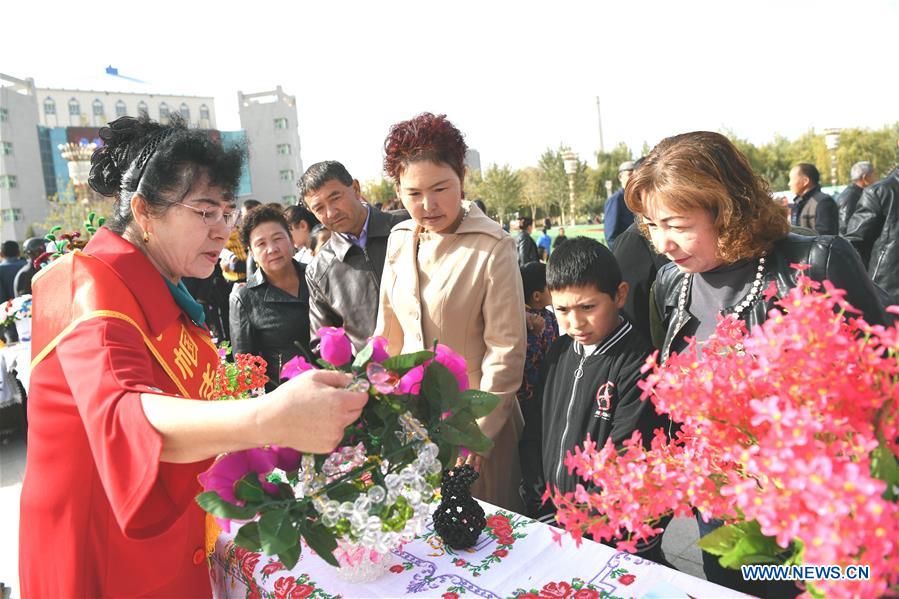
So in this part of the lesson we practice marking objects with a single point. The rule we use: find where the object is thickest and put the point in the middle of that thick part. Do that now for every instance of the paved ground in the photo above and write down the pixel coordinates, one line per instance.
(679, 541)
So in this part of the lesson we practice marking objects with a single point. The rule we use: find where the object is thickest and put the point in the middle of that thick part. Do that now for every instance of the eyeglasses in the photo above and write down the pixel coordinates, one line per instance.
(215, 216)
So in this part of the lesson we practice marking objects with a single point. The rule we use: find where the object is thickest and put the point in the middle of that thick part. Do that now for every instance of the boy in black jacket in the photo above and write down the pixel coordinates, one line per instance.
(588, 381)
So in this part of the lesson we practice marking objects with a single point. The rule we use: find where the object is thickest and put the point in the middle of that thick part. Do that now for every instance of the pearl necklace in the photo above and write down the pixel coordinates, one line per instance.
(753, 295)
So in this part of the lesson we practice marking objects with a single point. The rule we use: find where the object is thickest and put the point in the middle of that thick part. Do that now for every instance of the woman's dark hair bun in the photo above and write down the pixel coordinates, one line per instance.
(123, 140)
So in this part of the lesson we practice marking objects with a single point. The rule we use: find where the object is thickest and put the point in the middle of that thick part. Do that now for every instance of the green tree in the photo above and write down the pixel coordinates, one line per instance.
(554, 182)
(381, 191)
(607, 164)
(501, 190)
(72, 214)
(875, 145)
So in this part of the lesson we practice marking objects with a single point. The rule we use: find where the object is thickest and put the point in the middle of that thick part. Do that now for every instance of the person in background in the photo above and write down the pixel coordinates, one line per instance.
(545, 242)
(301, 223)
(270, 314)
(560, 238)
(320, 236)
(862, 175)
(34, 247)
(233, 260)
(639, 264)
(812, 208)
(542, 327)
(118, 423)
(875, 225)
(345, 276)
(617, 216)
(527, 248)
(10, 265)
(451, 276)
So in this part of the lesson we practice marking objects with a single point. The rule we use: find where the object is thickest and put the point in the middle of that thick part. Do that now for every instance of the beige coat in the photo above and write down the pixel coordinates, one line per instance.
(464, 290)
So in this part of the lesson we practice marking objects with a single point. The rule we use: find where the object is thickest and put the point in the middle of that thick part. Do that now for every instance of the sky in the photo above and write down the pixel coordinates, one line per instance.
(516, 77)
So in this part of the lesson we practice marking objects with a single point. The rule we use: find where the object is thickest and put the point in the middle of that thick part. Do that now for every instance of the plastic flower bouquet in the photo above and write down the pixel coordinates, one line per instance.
(788, 434)
(242, 378)
(14, 309)
(373, 492)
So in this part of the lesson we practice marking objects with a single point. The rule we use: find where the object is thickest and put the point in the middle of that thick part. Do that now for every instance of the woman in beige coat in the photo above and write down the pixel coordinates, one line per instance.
(451, 275)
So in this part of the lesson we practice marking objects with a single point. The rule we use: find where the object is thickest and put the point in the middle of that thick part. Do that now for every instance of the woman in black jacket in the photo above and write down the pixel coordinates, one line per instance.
(698, 201)
(269, 315)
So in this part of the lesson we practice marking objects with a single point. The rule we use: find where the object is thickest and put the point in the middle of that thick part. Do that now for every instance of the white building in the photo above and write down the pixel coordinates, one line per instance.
(270, 122)
(59, 107)
(23, 199)
(473, 159)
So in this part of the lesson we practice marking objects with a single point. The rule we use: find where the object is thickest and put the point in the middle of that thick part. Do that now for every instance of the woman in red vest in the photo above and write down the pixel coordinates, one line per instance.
(121, 360)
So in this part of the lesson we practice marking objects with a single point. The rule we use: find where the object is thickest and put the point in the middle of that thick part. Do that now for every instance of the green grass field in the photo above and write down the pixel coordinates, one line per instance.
(594, 231)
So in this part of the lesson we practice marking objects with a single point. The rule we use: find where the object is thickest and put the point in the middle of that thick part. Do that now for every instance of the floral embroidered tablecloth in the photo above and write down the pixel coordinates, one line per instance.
(515, 557)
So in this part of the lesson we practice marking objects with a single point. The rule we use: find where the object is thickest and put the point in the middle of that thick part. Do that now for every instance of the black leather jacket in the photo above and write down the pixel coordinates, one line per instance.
(830, 257)
(267, 321)
(847, 202)
(875, 225)
(345, 280)
(527, 248)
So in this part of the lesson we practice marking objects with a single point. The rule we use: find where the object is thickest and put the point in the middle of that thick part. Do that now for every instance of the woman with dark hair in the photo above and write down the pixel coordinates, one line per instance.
(452, 276)
(698, 201)
(117, 429)
(270, 314)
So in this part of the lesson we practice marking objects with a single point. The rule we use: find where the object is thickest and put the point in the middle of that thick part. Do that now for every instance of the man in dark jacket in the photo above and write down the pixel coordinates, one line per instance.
(812, 207)
(344, 278)
(862, 175)
(617, 215)
(34, 247)
(875, 224)
(527, 247)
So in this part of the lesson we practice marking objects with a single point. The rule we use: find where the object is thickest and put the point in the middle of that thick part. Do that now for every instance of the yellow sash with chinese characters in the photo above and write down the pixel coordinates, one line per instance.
(78, 287)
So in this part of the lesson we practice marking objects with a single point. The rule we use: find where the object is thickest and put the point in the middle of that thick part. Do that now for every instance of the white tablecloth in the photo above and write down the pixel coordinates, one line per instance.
(534, 565)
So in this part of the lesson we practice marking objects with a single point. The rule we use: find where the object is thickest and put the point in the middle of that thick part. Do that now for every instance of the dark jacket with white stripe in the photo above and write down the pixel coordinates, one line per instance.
(580, 395)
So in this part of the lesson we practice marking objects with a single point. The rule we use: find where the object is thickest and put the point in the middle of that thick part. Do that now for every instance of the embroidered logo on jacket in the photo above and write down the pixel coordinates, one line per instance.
(604, 396)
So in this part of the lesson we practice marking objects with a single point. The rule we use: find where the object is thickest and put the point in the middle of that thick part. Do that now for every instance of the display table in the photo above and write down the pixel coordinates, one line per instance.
(527, 563)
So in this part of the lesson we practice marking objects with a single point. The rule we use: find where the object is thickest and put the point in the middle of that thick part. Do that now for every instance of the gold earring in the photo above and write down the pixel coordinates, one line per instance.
(146, 236)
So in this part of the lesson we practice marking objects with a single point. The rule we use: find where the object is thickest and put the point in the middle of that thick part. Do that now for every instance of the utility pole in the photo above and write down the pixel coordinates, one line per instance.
(599, 116)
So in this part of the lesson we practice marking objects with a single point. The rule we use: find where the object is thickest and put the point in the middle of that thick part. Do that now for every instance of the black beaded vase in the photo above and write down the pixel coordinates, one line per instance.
(459, 519)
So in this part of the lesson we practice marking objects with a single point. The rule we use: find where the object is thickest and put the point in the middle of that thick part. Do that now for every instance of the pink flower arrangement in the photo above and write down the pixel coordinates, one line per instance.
(388, 465)
(788, 432)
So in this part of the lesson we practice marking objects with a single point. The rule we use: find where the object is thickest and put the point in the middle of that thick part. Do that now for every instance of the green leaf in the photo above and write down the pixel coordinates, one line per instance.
(50, 237)
(101, 221)
(363, 357)
(885, 468)
(290, 556)
(439, 386)
(248, 537)
(404, 363)
(249, 488)
(467, 434)
(276, 531)
(212, 502)
(321, 541)
(480, 403)
(740, 544)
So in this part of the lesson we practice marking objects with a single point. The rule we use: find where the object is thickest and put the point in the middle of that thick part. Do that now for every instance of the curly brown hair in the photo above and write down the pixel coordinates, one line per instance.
(705, 170)
(425, 137)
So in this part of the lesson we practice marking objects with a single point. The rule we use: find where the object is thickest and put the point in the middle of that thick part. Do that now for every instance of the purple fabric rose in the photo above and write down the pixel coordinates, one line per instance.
(411, 381)
(295, 367)
(455, 363)
(227, 470)
(336, 348)
(379, 349)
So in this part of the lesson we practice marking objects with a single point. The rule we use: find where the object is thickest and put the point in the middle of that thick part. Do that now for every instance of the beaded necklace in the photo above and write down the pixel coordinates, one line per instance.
(738, 309)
